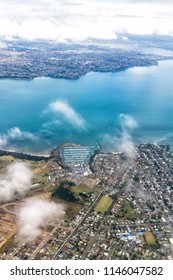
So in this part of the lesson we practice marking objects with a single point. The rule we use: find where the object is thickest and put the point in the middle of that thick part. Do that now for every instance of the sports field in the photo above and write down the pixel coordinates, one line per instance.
(104, 204)
(149, 238)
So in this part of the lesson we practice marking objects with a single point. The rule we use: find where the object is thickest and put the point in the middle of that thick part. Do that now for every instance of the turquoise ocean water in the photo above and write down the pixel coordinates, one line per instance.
(98, 99)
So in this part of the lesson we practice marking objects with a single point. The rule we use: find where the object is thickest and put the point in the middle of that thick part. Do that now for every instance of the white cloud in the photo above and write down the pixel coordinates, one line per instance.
(79, 20)
(3, 142)
(124, 142)
(68, 113)
(34, 215)
(15, 182)
(128, 122)
(126, 145)
(15, 134)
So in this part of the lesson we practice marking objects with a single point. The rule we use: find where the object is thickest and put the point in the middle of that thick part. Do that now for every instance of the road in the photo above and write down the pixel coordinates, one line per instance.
(80, 222)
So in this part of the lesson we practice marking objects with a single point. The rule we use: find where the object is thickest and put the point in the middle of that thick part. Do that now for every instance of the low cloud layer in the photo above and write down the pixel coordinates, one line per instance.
(3, 142)
(15, 134)
(36, 214)
(15, 182)
(128, 123)
(64, 110)
(124, 143)
(61, 20)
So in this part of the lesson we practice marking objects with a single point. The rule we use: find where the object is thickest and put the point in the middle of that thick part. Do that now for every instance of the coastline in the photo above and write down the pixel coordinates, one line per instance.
(21, 155)
(29, 79)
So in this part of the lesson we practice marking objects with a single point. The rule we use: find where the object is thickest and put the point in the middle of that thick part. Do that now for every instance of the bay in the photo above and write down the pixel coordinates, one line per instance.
(28, 122)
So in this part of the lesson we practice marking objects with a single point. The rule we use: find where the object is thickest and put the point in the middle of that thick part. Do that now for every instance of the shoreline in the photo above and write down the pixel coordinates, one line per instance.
(29, 79)
(22, 155)
(30, 156)
(27, 153)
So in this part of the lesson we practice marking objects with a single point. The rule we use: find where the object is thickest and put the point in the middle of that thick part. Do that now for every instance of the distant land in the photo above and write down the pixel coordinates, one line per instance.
(28, 60)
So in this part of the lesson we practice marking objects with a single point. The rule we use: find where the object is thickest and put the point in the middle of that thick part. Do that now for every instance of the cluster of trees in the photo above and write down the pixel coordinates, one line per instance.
(64, 191)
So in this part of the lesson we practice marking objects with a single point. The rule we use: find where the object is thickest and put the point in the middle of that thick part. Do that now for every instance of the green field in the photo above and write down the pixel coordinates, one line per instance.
(149, 238)
(40, 168)
(81, 189)
(5, 161)
(104, 204)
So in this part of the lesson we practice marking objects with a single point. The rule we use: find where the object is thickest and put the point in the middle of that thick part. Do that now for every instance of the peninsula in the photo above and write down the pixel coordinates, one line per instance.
(28, 60)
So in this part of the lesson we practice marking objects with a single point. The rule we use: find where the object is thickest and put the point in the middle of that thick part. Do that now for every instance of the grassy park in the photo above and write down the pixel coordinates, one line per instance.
(104, 204)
